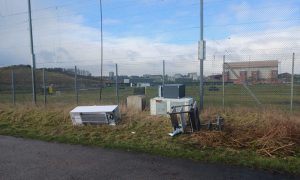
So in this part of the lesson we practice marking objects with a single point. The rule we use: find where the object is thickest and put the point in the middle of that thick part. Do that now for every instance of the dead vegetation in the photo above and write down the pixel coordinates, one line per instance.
(270, 132)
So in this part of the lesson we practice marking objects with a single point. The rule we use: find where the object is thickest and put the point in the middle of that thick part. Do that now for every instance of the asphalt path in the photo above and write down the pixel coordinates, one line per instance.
(31, 159)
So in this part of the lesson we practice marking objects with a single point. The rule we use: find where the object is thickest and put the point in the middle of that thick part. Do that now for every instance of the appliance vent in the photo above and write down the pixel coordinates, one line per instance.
(93, 118)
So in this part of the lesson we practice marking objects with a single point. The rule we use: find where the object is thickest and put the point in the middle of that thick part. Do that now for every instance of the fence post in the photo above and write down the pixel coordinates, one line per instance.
(223, 83)
(44, 85)
(76, 90)
(13, 87)
(117, 92)
(117, 88)
(292, 81)
(101, 70)
(164, 74)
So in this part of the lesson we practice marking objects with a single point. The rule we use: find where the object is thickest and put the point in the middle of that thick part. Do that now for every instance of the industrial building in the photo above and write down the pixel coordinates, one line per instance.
(111, 75)
(255, 72)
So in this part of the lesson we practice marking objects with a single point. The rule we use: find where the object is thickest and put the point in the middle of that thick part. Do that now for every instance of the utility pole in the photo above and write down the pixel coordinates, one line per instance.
(32, 55)
(292, 82)
(201, 56)
(101, 71)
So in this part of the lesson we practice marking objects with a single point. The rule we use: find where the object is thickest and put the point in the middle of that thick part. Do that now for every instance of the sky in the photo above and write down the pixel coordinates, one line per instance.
(139, 34)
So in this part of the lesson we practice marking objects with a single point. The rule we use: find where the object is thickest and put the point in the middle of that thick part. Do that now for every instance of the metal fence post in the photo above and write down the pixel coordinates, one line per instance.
(44, 86)
(223, 83)
(292, 81)
(76, 90)
(117, 92)
(117, 88)
(101, 72)
(164, 74)
(13, 87)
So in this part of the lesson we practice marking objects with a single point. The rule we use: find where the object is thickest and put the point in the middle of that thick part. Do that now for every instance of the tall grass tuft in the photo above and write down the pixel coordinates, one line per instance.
(268, 131)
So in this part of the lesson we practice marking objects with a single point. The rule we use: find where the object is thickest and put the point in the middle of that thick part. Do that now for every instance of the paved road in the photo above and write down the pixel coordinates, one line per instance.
(30, 159)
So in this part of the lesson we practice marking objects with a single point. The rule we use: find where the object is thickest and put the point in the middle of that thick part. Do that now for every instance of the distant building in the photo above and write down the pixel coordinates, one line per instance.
(216, 77)
(156, 78)
(146, 75)
(285, 77)
(136, 80)
(193, 76)
(254, 72)
(177, 76)
(134, 77)
(142, 84)
(111, 75)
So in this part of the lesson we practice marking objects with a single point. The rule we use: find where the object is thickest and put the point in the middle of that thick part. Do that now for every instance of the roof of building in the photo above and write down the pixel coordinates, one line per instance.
(253, 64)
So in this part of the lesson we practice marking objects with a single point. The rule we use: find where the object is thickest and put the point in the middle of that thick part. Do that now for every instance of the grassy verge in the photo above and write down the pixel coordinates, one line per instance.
(247, 135)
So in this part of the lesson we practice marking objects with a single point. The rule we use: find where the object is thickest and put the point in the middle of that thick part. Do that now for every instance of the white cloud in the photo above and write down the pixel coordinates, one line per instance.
(68, 42)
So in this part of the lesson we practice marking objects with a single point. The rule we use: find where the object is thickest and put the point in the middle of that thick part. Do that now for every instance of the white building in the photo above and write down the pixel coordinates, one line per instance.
(193, 76)
(142, 84)
(252, 71)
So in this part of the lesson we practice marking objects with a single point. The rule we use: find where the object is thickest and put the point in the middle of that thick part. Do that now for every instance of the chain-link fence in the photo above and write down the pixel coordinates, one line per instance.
(231, 84)
(249, 52)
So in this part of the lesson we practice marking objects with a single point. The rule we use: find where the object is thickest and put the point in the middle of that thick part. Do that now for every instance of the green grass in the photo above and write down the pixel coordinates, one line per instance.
(235, 95)
(54, 124)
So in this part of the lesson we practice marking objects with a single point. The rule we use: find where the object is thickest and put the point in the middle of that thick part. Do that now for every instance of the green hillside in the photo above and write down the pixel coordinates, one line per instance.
(60, 79)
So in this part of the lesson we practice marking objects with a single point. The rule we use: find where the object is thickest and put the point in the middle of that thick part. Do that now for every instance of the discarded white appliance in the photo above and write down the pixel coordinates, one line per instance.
(95, 115)
(180, 124)
(189, 121)
(163, 106)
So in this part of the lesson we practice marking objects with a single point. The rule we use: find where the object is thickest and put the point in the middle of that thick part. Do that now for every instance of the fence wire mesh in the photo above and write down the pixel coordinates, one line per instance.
(60, 85)
(257, 40)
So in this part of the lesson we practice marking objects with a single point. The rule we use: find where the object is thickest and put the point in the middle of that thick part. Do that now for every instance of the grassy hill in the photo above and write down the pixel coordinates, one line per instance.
(60, 79)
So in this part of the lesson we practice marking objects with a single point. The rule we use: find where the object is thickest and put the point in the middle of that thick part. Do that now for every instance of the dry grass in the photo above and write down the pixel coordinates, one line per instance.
(54, 121)
(270, 132)
(265, 138)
